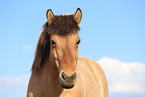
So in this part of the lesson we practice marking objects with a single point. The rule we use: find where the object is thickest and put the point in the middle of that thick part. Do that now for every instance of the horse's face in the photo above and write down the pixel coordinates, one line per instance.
(65, 54)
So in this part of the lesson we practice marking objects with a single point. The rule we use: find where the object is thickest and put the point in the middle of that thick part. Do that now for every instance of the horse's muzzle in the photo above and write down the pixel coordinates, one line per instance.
(66, 81)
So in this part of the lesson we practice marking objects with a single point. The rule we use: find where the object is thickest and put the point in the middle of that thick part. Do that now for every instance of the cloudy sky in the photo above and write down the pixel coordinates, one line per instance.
(112, 33)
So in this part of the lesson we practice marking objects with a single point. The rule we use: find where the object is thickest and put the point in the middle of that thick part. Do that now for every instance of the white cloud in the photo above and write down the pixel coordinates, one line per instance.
(19, 83)
(124, 77)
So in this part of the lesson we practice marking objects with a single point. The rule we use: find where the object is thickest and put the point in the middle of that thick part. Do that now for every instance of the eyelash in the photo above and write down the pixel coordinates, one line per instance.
(53, 43)
(78, 43)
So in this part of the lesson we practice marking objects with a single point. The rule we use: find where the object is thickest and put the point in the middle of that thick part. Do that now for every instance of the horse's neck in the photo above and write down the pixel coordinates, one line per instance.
(48, 72)
(49, 77)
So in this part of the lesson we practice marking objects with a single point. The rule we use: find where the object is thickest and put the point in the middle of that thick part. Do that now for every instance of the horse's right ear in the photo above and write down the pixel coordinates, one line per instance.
(50, 16)
(78, 15)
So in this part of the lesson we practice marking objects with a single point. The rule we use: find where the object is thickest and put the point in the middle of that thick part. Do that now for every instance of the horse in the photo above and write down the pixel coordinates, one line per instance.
(57, 71)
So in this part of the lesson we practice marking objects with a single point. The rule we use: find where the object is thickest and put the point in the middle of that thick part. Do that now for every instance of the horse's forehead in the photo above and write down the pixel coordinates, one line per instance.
(69, 37)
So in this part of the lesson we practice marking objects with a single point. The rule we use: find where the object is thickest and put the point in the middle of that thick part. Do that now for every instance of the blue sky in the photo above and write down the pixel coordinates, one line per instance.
(112, 31)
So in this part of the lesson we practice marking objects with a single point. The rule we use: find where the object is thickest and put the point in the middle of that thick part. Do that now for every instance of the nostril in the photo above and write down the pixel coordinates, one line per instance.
(74, 76)
(64, 76)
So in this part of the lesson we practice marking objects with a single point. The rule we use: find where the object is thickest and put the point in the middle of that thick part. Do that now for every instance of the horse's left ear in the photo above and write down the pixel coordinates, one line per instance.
(78, 15)
(50, 16)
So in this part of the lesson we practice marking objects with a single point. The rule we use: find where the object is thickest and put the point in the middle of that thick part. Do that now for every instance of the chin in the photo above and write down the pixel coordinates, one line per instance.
(67, 86)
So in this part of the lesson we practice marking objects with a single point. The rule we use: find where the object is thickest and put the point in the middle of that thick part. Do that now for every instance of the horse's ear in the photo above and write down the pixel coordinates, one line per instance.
(78, 15)
(50, 16)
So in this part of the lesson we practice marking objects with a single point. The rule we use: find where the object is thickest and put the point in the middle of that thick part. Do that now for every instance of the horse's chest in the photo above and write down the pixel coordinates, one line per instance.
(66, 94)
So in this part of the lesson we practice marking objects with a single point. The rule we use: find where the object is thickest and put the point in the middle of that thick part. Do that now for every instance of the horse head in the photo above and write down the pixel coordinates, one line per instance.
(64, 42)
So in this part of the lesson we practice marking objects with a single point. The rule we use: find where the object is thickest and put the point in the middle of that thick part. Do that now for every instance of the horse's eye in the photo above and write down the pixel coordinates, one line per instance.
(78, 43)
(53, 43)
